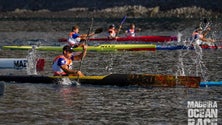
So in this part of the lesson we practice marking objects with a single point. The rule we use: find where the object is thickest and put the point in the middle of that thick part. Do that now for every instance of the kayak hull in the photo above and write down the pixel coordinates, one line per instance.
(102, 47)
(20, 63)
(211, 83)
(143, 80)
(132, 39)
(14, 63)
(114, 47)
(139, 38)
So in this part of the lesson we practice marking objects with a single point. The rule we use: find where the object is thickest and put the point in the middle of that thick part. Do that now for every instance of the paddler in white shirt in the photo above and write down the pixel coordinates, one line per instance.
(199, 36)
(131, 32)
(75, 39)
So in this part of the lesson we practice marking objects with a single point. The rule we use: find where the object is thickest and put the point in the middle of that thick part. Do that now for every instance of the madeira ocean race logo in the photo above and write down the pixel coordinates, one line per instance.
(202, 112)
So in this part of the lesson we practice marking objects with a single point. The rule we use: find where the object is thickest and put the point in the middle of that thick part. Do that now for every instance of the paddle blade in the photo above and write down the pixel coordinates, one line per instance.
(205, 20)
(99, 30)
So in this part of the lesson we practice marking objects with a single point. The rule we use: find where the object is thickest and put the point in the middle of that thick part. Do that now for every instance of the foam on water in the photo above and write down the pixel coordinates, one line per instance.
(67, 81)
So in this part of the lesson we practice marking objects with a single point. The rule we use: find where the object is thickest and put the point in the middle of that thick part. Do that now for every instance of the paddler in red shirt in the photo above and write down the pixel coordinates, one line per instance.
(62, 64)
(112, 32)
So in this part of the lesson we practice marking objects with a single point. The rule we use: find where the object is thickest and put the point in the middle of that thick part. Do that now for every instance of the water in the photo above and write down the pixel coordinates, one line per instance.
(87, 104)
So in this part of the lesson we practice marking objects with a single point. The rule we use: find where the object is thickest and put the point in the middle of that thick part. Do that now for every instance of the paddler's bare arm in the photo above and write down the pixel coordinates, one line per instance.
(205, 32)
(67, 70)
(71, 71)
(83, 54)
(84, 36)
(207, 40)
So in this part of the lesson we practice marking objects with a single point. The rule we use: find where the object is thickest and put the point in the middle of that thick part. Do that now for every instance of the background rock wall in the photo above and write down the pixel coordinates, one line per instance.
(58, 5)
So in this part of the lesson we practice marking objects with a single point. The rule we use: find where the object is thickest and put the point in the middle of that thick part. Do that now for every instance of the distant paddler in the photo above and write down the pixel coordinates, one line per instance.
(62, 64)
(112, 32)
(199, 36)
(131, 32)
(75, 39)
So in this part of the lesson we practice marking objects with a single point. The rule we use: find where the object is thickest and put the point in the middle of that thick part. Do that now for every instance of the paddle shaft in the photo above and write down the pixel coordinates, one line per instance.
(87, 38)
(120, 26)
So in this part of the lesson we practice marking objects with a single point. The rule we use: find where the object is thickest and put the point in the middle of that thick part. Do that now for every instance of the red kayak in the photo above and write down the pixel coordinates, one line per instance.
(136, 38)
(211, 47)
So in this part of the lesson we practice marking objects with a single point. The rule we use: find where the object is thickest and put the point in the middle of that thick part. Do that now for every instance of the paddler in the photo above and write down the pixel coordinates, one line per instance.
(112, 32)
(199, 36)
(131, 31)
(75, 39)
(62, 64)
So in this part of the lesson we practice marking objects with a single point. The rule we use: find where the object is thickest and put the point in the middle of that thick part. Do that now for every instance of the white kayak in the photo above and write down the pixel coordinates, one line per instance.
(19, 63)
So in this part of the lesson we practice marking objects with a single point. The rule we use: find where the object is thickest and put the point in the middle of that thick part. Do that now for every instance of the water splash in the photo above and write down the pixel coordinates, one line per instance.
(32, 61)
(110, 63)
(191, 62)
(67, 81)
(179, 35)
(201, 69)
(180, 66)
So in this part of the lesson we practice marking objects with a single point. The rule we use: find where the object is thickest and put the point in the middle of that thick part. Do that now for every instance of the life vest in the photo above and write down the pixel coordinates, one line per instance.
(73, 39)
(131, 32)
(112, 33)
(196, 37)
(57, 69)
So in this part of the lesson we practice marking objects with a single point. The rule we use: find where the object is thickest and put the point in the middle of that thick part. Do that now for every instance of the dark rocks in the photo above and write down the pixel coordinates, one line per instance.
(114, 8)
(114, 12)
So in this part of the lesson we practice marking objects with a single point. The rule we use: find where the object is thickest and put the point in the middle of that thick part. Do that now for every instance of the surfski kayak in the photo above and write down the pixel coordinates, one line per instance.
(142, 80)
(115, 47)
(211, 83)
(102, 47)
(132, 39)
(179, 47)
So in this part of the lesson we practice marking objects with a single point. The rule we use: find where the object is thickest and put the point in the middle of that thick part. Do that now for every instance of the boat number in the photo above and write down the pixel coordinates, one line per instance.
(20, 63)
(107, 46)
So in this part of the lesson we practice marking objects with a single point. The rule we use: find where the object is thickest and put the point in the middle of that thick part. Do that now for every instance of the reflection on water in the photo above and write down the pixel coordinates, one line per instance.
(56, 104)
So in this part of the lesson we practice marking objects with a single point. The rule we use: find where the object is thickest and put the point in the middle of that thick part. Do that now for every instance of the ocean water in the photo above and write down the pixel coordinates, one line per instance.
(29, 103)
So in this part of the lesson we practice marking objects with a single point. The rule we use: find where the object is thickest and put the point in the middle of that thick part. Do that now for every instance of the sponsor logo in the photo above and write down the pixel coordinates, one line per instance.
(20, 64)
(202, 112)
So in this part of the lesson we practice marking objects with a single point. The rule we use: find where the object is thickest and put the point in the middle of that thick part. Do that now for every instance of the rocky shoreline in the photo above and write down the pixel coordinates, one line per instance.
(45, 20)
(114, 12)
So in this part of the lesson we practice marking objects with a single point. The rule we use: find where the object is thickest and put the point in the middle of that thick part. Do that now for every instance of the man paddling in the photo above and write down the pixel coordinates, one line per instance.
(199, 36)
(75, 39)
(62, 64)
(131, 32)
